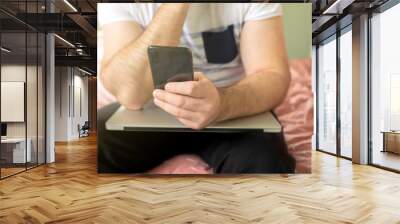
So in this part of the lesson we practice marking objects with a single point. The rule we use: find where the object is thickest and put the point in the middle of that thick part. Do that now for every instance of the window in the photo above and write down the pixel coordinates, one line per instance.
(15, 154)
(346, 93)
(314, 89)
(327, 96)
(22, 73)
(385, 88)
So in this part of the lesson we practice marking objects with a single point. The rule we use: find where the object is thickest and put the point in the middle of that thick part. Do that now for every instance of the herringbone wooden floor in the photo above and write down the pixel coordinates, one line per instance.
(70, 191)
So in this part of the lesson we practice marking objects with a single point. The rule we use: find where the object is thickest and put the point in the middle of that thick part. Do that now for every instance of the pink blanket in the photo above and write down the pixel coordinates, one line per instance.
(295, 113)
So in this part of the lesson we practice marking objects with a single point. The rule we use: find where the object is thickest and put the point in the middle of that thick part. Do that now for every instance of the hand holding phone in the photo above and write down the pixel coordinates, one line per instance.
(170, 64)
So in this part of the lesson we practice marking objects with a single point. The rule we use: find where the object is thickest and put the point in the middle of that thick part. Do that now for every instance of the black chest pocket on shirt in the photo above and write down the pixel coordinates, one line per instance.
(220, 47)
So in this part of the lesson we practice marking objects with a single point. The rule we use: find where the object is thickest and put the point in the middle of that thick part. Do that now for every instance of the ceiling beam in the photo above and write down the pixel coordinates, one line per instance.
(78, 61)
(337, 7)
(84, 24)
(320, 22)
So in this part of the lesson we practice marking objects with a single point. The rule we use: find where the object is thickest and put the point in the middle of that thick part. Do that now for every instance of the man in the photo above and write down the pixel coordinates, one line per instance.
(242, 69)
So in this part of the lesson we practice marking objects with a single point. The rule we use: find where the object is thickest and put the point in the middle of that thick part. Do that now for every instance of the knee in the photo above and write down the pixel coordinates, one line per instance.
(258, 153)
(252, 160)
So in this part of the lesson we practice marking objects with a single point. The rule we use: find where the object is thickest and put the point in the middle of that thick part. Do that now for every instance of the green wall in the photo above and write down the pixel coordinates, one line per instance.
(297, 21)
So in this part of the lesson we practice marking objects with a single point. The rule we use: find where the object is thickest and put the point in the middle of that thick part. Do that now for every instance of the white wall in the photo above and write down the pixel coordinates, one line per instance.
(70, 83)
(80, 89)
(62, 81)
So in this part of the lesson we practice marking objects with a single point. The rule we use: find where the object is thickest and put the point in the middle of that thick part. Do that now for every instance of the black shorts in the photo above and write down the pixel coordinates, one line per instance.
(137, 152)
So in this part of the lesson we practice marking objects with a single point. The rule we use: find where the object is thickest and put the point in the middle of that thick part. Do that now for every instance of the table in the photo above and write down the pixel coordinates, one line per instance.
(17, 150)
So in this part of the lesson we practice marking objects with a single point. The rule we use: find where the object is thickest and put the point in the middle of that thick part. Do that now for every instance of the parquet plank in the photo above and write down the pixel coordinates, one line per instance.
(70, 191)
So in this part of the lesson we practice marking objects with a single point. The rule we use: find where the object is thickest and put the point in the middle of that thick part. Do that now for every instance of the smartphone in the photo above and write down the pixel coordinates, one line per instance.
(170, 64)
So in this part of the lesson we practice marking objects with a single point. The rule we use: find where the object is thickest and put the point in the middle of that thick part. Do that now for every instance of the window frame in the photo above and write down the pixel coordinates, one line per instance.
(334, 37)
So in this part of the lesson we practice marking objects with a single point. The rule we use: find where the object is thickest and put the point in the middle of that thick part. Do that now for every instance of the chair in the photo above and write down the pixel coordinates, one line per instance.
(84, 130)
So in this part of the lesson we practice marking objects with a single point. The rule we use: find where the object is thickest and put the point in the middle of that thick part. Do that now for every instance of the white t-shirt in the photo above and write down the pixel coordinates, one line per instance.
(211, 31)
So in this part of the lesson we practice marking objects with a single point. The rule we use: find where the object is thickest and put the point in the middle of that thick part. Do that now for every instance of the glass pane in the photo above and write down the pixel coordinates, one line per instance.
(41, 98)
(327, 97)
(31, 100)
(32, 87)
(386, 89)
(13, 87)
(314, 84)
(346, 94)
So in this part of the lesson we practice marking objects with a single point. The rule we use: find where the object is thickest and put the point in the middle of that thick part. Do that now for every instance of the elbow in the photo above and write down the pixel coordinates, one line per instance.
(127, 99)
(131, 104)
(105, 80)
(125, 94)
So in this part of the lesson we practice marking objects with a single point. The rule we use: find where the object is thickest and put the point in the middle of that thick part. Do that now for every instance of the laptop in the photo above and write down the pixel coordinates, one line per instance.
(152, 118)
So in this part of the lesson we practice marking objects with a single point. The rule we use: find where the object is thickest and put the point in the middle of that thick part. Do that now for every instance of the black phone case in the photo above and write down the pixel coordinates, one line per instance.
(170, 64)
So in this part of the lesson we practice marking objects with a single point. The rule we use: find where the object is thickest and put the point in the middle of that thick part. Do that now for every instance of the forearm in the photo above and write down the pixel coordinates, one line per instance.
(127, 74)
(256, 93)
